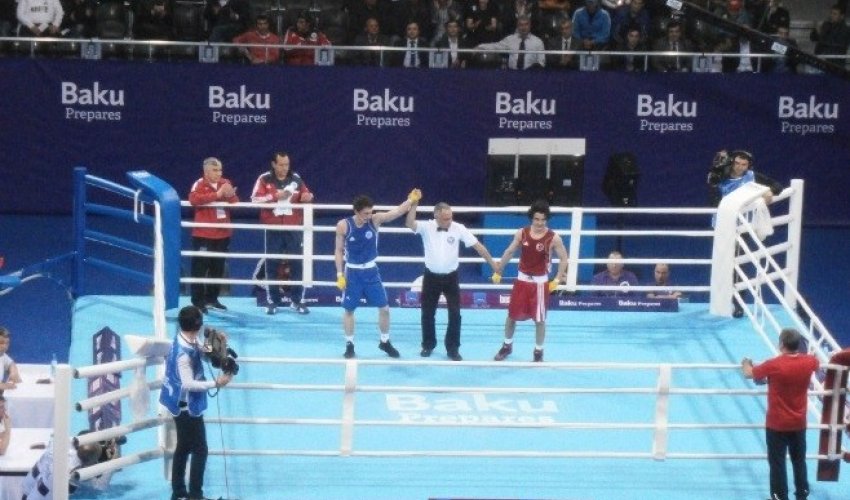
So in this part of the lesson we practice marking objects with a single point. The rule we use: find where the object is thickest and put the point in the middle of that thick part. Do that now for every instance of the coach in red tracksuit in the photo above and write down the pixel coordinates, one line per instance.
(788, 376)
(211, 188)
(284, 188)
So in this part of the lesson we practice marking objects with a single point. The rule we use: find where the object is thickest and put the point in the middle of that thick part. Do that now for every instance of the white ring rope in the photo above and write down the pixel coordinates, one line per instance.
(661, 426)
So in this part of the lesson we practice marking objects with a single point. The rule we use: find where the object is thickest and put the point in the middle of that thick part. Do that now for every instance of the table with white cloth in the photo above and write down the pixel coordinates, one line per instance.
(19, 458)
(31, 403)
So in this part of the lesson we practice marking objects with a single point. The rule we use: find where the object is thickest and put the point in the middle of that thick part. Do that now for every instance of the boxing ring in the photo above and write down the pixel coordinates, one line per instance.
(647, 395)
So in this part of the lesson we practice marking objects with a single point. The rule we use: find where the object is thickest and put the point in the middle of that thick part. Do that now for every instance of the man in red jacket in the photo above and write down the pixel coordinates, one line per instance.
(211, 188)
(303, 35)
(284, 188)
(788, 376)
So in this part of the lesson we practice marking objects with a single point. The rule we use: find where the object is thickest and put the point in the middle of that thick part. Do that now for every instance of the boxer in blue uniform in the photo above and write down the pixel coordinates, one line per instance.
(357, 274)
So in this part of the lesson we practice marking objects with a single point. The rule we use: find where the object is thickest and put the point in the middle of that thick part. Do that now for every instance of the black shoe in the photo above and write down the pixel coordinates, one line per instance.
(538, 355)
(349, 350)
(271, 310)
(216, 305)
(202, 307)
(504, 352)
(389, 349)
(426, 352)
(454, 355)
(738, 312)
(300, 308)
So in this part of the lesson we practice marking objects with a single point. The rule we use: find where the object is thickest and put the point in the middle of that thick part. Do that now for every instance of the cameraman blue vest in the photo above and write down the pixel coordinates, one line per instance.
(184, 394)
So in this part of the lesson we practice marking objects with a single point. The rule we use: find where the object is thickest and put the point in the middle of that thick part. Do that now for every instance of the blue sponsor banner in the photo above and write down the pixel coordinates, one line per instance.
(382, 131)
(496, 300)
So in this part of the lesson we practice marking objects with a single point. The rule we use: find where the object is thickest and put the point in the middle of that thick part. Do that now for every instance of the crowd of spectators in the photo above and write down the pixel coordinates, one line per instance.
(620, 26)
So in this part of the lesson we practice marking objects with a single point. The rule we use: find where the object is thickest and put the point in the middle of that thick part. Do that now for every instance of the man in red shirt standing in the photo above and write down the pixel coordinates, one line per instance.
(530, 293)
(211, 188)
(260, 35)
(284, 188)
(788, 376)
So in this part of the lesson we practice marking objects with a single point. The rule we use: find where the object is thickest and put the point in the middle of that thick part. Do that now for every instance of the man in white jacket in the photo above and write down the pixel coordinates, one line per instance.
(40, 17)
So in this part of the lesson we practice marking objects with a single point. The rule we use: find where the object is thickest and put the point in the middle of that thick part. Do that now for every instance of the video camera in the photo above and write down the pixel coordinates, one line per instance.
(216, 350)
(720, 168)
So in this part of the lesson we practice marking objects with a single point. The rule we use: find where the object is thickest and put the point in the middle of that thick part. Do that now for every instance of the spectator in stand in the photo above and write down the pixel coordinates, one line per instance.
(411, 58)
(783, 64)
(371, 36)
(303, 35)
(673, 42)
(362, 10)
(211, 188)
(564, 41)
(634, 42)
(443, 11)
(515, 9)
(614, 275)
(226, 18)
(7, 17)
(726, 41)
(662, 279)
(80, 20)
(453, 40)
(626, 17)
(40, 18)
(406, 11)
(832, 37)
(592, 25)
(519, 44)
(773, 17)
(482, 22)
(284, 188)
(260, 35)
(153, 21)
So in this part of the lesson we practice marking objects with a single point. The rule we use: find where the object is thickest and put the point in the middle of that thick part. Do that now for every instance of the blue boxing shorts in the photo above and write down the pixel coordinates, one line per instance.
(363, 283)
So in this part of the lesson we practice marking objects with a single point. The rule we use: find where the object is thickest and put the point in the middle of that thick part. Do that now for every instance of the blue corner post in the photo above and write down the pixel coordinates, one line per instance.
(169, 204)
(78, 277)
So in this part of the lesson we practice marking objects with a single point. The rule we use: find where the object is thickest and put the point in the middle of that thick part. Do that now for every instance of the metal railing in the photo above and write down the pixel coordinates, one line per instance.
(210, 52)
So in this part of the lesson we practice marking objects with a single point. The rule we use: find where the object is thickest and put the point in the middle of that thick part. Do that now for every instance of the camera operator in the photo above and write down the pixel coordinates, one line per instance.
(729, 171)
(39, 481)
(184, 395)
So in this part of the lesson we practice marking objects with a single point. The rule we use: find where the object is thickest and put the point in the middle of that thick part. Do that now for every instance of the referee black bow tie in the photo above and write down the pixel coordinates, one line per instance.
(442, 229)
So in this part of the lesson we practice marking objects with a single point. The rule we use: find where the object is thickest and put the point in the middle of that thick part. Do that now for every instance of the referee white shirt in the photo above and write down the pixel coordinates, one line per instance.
(441, 246)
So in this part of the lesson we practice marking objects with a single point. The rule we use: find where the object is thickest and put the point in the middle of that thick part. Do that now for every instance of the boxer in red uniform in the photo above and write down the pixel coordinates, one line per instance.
(531, 289)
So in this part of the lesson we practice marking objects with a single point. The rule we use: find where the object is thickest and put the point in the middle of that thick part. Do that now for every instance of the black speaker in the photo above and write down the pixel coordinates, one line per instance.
(501, 182)
(566, 180)
(621, 179)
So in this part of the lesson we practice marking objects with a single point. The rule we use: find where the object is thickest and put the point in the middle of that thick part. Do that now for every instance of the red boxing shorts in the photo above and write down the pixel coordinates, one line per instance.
(529, 300)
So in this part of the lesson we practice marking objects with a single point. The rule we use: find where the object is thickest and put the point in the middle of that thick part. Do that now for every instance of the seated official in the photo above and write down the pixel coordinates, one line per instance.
(39, 481)
(662, 279)
(614, 275)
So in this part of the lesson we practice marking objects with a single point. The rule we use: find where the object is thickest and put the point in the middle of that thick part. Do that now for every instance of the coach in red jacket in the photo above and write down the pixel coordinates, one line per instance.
(211, 188)
(284, 188)
(788, 377)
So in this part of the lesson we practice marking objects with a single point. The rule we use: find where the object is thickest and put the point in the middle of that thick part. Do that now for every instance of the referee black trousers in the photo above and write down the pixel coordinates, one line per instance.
(433, 285)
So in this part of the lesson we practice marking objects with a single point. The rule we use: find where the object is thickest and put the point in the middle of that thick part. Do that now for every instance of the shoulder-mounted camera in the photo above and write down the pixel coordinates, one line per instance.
(216, 350)
(721, 165)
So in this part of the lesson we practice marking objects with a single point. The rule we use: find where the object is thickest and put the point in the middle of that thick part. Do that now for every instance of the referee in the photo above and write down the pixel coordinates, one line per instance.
(441, 240)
